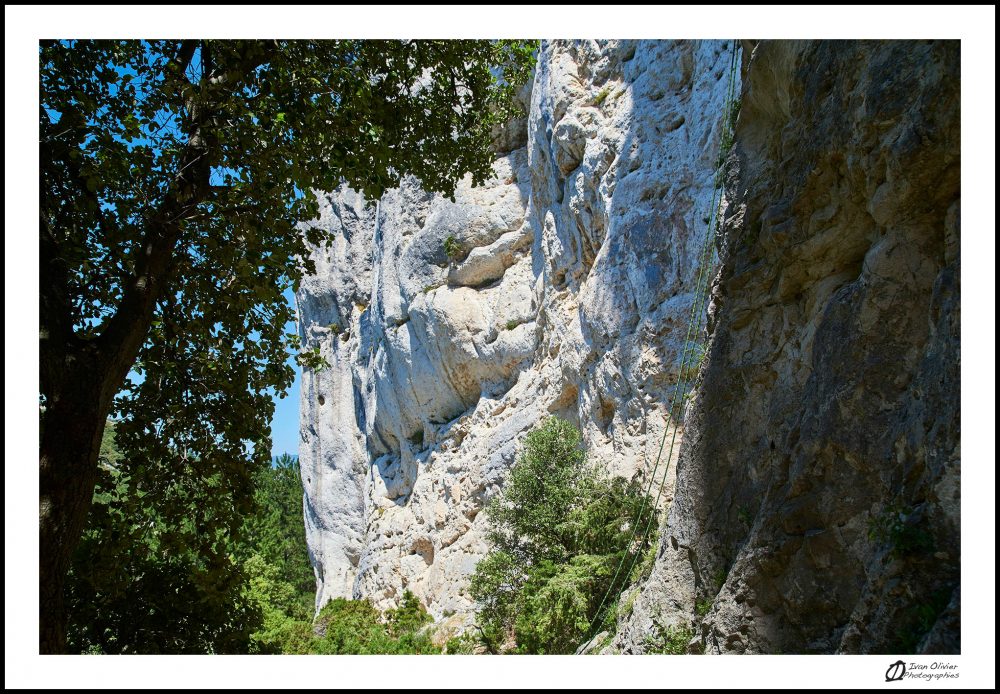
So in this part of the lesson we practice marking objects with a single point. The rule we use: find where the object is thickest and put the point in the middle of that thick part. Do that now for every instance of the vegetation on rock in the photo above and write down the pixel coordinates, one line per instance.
(672, 640)
(559, 529)
(452, 248)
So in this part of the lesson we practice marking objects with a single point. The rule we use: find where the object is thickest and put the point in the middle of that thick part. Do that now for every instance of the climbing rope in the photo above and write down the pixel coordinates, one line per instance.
(693, 328)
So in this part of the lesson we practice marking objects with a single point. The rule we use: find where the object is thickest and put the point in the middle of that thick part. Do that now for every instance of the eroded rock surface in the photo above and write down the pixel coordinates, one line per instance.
(816, 506)
(817, 502)
(568, 294)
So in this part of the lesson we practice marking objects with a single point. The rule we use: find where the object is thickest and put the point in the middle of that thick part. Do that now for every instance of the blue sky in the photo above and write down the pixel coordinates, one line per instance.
(285, 425)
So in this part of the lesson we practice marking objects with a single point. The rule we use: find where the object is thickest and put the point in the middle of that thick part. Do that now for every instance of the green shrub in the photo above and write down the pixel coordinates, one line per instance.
(601, 96)
(465, 644)
(558, 602)
(728, 139)
(558, 531)
(671, 640)
(917, 619)
(744, 517)
(410, 616)
(496, 585)
(341, 627)
(350, 626)
(703, 607)
(644, 568)
(452, 248)
(512, 323)
(277, 600)
(292, 637)
(356, 627)
(624, 610)
(276, 533)
(734, 113)
(903, 530)
(691, 364)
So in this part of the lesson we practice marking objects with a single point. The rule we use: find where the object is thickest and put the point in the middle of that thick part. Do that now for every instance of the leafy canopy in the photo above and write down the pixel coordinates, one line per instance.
(558, 530)
(156, 570)
(211, 150)
(142, 583)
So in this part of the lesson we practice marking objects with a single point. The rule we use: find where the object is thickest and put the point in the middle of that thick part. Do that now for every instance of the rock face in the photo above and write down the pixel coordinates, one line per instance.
(567, 291)
(816, 506)
(817, 502)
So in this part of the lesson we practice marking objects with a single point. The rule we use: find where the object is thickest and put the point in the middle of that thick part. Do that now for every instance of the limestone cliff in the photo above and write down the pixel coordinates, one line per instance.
(817, 496)
(568, 294)
(817, 503)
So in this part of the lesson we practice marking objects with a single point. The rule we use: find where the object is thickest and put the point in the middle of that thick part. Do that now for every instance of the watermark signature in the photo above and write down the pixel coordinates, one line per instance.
(896, 671)
(937, 670)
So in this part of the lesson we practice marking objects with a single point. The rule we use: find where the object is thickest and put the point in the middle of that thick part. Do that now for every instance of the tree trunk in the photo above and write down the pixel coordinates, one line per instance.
(72, 426)
(79, 380)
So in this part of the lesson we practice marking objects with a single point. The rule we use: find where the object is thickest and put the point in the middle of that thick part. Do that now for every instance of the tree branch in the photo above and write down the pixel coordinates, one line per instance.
(185, 54)
(54, 306)
(125, 331)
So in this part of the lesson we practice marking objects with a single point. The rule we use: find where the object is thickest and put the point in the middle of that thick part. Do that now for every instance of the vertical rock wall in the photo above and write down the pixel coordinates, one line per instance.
(816, 506)
(569, 295)
(817, 503)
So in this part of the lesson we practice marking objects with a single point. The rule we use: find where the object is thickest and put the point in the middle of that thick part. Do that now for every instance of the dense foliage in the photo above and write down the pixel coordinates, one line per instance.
(149, 577)
(356, 627)
(175, 186)
(342, 627)
(155, 572)
(143, 581)
(275, 532)
(559, 530)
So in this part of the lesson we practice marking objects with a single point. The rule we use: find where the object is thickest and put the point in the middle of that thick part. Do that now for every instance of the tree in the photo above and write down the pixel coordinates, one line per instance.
(276, 531)
(174, 176)
(159, 568)
(558, 530)
(148, 576)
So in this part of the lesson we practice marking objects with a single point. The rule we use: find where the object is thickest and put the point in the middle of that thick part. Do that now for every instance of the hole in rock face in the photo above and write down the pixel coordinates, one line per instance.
(559, 280)
(321, 400)
(425, 548)
(605, 414)
(565, 403)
